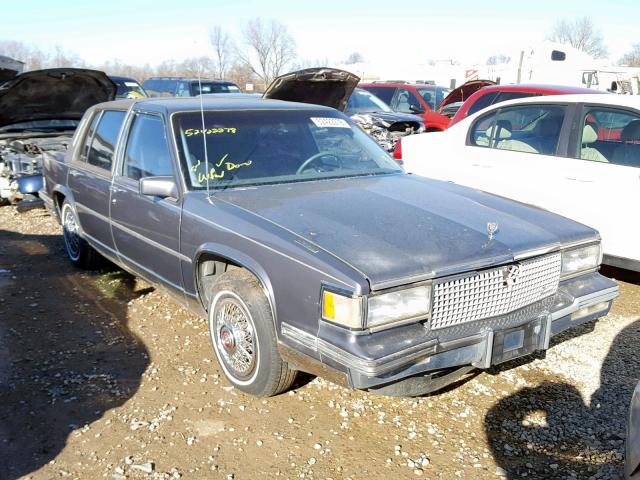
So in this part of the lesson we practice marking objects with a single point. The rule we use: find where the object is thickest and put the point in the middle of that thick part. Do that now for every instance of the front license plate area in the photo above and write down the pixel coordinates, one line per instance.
(517, 342)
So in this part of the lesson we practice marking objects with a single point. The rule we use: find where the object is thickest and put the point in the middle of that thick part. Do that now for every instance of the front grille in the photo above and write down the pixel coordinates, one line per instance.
(495, 291)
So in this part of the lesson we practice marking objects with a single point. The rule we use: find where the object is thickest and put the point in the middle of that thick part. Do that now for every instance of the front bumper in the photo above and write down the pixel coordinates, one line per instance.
(414, 353)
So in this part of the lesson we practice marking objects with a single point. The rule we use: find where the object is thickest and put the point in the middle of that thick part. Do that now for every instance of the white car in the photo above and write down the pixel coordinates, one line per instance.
(577, 155)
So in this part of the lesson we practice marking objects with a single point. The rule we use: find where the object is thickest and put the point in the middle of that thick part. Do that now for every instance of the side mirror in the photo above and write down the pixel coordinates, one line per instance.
(163, 187)
(416, 109)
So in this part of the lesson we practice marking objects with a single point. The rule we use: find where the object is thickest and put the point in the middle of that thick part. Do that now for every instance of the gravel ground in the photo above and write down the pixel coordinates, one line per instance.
(102, 376)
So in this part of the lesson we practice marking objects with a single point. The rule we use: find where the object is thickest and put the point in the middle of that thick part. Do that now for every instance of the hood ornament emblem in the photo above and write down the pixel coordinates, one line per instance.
(492, 229)
(510, 276)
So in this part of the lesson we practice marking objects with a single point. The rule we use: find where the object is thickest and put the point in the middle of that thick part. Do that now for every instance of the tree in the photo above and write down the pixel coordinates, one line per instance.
(580, 33)
(269, 48)
(223, 48)
(354, 57)
(632, 58)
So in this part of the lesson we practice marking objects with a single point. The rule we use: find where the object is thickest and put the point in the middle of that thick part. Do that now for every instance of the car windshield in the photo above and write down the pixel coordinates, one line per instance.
(41, 125)
(279, 146)
(208, 87)
(433, 96)
(129, 89)
(362, 101)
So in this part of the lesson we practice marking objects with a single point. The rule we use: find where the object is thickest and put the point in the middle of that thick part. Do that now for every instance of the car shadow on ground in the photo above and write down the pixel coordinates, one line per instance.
(66, 353)
(552, 425)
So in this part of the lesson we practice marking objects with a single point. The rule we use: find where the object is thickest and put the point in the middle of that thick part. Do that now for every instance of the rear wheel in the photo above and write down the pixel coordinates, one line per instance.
(78, 250)
(244, 337)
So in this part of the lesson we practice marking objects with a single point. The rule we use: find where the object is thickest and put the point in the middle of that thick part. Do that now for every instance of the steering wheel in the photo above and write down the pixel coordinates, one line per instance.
(312, 159)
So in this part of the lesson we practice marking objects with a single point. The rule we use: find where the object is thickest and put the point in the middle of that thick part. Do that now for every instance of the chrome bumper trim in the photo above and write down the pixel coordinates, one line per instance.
(475, 349)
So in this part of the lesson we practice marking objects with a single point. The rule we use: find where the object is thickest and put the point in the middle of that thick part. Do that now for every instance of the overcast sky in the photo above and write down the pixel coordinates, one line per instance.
(382, 31)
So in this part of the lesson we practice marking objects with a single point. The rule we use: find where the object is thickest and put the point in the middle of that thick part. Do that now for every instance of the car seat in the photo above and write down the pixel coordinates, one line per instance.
(502, 138)
(546, 134)
(628, 152)
(403, 102)
(589, 137)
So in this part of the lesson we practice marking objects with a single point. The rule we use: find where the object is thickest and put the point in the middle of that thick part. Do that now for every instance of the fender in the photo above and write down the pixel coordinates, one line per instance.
(64, 190)
(241, 259)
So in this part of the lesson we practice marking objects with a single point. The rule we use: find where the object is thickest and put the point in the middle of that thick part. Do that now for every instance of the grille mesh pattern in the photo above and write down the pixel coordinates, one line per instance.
(491, 292)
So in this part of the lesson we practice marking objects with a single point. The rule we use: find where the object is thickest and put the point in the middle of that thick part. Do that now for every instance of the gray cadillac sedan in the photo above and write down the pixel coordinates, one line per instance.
(309, 249)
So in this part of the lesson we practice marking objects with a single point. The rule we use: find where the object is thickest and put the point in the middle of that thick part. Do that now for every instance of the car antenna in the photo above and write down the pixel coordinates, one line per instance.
(204, 136)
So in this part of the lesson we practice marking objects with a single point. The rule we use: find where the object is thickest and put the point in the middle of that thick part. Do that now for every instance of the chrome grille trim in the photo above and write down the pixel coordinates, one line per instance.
(496, 291)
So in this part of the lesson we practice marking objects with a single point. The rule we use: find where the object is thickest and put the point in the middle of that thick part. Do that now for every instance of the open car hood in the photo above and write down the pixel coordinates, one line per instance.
(56, 93)
(321, 86)
(464, 91)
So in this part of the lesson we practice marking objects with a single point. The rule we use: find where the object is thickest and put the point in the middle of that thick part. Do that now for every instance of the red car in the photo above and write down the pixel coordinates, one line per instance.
(493, 94)
(418, 99)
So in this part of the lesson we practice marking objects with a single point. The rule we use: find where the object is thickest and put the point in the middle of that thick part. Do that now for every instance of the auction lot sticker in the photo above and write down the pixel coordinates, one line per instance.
(330, 122)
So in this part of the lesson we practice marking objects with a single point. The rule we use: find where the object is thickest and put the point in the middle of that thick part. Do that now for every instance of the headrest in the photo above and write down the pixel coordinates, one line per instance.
(631, 133)
(589, 135)
(503, 129)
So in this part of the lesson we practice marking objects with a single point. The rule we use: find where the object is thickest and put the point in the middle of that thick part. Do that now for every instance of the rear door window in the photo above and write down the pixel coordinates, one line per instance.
(610, 135)
(147, 153)
(103, 143)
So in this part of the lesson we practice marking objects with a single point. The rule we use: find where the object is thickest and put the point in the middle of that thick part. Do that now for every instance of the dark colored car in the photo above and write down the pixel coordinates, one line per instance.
(39, 111)
(490, 95)
(336, 88)
(418, 99)
(128, 87)
(308, 248)
(186, 87)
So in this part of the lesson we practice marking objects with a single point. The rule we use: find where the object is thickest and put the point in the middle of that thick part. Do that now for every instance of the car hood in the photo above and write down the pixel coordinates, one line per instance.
(321, 86)
(57, 93)
(397, 229)
(464, 91)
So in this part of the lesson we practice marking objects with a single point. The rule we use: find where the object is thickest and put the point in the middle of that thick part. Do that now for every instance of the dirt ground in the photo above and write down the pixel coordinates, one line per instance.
(103, 376)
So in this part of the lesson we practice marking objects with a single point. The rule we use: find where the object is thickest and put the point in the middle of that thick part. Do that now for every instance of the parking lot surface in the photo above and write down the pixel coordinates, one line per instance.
(103, 376)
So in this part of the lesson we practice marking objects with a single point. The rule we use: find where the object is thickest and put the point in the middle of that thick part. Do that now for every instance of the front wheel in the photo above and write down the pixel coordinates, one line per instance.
(78, 250)
(244, 337)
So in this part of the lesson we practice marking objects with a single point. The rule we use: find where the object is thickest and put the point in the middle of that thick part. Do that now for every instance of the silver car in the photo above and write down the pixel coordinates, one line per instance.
(308, 248)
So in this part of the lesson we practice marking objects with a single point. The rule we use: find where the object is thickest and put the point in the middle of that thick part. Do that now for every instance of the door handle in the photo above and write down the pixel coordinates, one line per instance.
(117, 189)
(581, 180)
(74, 173)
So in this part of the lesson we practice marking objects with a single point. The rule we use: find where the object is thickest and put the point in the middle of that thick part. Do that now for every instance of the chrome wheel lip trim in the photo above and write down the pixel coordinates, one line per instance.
(214, 330)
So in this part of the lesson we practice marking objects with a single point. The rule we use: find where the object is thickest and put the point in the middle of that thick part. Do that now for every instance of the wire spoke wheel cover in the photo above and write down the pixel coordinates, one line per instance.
(71, 233)
(234, 336)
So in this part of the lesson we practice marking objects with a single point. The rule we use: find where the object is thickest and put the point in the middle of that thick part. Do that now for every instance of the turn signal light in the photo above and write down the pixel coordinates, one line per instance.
(397, 151)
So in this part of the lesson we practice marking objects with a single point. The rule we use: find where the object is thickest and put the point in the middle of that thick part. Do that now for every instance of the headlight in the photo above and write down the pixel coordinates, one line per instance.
(580, 259)
(407, 304)
(343, 310)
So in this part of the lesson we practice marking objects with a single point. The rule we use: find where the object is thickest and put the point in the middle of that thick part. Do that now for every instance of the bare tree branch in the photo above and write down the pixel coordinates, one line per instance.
(631, 58)
(580, 33)
(269, 48)
(223, 50)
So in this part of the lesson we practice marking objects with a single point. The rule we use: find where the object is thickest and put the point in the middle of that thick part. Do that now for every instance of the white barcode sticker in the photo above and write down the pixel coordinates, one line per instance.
(330, 122)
